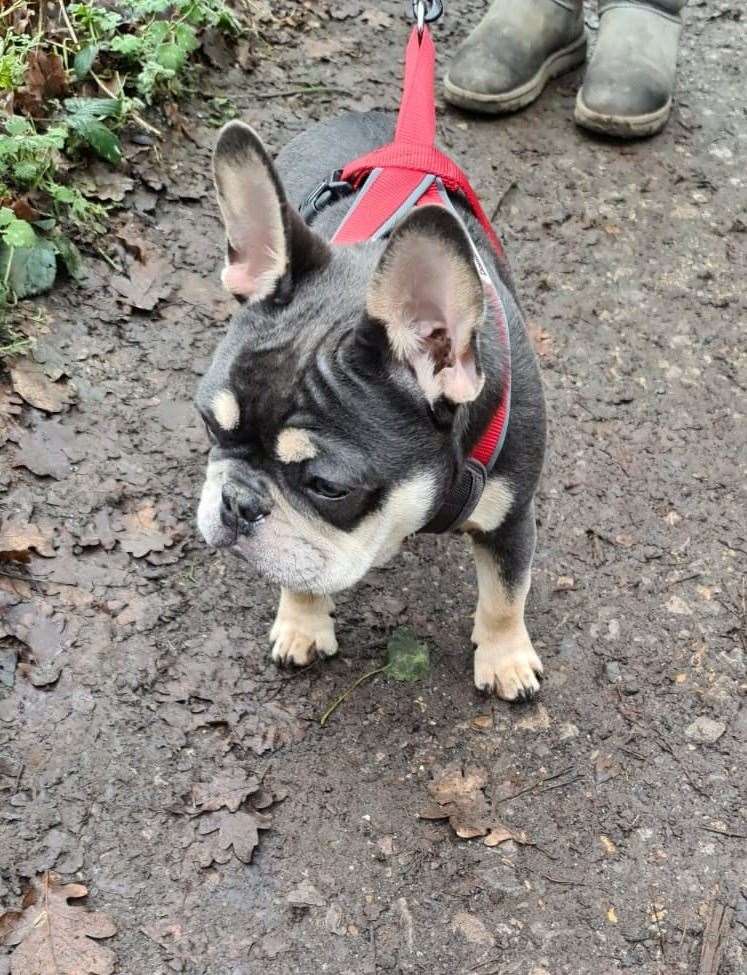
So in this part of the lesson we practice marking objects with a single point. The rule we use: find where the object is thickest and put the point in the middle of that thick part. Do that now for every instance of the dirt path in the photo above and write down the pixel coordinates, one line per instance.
(148, 672)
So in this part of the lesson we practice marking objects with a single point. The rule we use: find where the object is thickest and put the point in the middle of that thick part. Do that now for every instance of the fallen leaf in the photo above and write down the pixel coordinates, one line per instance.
(42, 450)
(45, 78)
(305, 895)
(606, 767)
(17, 539)
(217, 49)
(229, 789)
(10, 406)
(52, 937)
(323, 49)
(142, 533)
(542, 340)
(612, 915)
(459, 797)
(564, 583)
(32, 385)
(608, 845)
(472, 928)
(235, 831)
(500, 834)
(104, 183)
(482, 722)
(407, 659)
(147, 284)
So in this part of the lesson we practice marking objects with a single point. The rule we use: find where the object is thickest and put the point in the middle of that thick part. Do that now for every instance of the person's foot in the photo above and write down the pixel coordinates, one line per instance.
(513, 52)
(629, 83)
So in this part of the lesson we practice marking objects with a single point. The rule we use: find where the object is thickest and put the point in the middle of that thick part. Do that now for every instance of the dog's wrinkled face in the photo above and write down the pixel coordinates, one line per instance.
(333, 403)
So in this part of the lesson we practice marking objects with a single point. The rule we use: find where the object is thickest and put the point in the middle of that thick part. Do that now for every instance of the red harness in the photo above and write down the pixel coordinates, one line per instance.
(409, 172)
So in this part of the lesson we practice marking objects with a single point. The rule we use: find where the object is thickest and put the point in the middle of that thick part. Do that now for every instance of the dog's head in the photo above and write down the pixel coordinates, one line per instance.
(335, 402)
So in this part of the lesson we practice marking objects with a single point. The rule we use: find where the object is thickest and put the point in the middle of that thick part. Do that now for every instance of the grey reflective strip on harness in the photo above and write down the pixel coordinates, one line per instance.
(401, 210)
(423, 186)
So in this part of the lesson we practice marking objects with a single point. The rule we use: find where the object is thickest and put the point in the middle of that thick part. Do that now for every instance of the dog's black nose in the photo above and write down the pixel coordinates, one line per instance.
(243, 506)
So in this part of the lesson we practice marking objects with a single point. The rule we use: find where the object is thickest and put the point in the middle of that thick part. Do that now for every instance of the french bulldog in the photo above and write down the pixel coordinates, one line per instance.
(350, 385)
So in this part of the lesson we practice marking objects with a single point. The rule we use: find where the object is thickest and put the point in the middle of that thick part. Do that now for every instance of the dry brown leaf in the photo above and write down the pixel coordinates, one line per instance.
(52, 937)
(323, 49)
(499, 834)
(229, 789)
(454, 784)
(148, 281)
(10, 406)
(17, 539)
(142, 533)
(30, 382)
(237, 831)
(459, 797)
(45, 78)
(542, 340)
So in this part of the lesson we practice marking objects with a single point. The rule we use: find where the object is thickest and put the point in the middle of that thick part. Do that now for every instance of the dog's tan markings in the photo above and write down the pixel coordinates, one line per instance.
(505, 660)
(494, 505)
(294, 445)
(303, 628)
(225, 409)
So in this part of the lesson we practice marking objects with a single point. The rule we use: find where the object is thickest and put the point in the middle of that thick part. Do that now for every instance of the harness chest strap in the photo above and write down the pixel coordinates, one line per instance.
(410, 172)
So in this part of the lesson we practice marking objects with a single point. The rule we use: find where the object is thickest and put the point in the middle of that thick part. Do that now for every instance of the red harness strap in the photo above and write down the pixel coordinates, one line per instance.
(408, 172)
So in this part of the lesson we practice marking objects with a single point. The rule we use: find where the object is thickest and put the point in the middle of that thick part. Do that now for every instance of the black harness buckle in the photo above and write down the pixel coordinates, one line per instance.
(462, 499)
(328, 191)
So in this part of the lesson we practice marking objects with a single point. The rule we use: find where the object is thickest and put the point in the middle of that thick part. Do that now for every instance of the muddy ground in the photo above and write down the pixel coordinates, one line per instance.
(136, 665)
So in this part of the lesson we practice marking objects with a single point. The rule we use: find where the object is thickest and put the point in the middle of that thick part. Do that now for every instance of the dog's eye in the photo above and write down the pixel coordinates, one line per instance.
(327, 489)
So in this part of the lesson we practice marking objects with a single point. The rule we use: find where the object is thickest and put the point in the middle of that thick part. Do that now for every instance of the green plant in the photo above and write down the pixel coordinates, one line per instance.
(125, 53)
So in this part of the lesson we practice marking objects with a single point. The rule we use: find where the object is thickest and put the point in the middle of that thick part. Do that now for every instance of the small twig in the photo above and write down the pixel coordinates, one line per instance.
(19, 575)
(110, 261)
(134, 115)
(724, 832)
(70, 28)
(676, 582)
(502, 199)
(539, 782)
(565, 883)
(714, 938)
(658, 928)
(310, 90)
(11, 252)
(345, 694)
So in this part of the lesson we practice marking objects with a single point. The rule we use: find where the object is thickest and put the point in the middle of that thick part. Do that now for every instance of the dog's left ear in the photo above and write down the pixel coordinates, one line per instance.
(428, 294)
(269, 245)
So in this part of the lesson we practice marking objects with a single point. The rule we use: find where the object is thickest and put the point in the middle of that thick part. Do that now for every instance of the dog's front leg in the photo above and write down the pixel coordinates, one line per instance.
(505, 660)
(303, 628)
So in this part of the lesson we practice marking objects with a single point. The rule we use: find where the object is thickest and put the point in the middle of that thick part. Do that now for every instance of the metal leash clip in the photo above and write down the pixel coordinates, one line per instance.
(425, 12)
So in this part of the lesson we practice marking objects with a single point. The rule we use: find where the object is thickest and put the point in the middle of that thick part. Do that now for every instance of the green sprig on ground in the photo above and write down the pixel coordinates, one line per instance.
(407, 660)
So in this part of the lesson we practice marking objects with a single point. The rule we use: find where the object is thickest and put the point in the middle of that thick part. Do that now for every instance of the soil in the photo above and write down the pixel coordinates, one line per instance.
(135, 666)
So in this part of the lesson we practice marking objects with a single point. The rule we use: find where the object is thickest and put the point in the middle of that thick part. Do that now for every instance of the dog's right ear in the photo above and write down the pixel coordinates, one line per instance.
(269, 246)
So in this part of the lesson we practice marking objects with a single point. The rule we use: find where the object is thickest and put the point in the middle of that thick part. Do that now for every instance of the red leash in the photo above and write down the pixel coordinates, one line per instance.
(410, 156)
(408, 172)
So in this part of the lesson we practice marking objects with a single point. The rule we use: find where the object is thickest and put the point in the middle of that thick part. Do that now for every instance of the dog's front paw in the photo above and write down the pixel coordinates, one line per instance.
(510, 668)
(303, 629)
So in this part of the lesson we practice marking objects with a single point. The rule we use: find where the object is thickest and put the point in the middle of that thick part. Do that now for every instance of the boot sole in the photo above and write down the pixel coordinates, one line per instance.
(624, 127)
(561, 61)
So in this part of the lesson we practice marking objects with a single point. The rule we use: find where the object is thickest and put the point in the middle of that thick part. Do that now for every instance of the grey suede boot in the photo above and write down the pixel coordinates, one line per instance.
(629, 83)
(514, 51)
